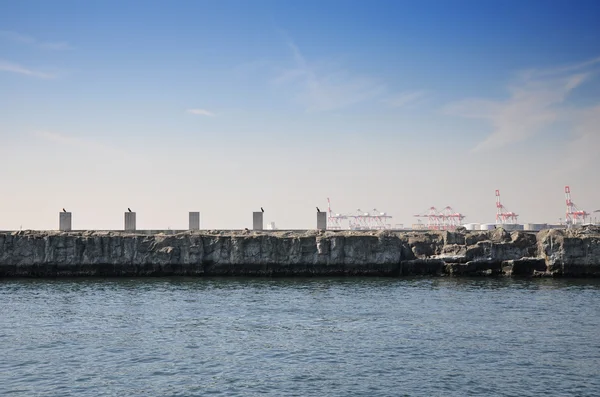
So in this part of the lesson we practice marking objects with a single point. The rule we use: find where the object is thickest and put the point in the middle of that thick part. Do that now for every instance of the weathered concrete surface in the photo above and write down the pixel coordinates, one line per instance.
(494, 253)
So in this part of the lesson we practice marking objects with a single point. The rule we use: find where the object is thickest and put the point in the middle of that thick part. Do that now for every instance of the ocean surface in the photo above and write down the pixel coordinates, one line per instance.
(299, 337)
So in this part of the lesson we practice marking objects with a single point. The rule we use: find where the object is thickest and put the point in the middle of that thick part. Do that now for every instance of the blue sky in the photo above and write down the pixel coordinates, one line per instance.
(226, 106)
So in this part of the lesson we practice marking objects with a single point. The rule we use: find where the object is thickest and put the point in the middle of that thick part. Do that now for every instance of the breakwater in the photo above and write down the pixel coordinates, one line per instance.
(323, 253)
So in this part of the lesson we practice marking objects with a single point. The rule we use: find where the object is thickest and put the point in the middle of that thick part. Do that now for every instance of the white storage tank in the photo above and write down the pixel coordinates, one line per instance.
(510, 226)
(472, 226)
(487, 226)
(535, 227)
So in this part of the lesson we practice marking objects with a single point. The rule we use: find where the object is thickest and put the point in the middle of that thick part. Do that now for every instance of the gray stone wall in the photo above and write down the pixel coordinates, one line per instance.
(383, 253)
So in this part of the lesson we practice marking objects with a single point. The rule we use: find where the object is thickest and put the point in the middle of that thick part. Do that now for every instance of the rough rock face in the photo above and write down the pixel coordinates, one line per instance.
(549, 253)
(571, 252)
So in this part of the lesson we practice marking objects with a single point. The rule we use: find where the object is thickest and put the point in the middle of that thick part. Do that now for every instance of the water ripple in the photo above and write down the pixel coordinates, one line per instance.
(299, 337)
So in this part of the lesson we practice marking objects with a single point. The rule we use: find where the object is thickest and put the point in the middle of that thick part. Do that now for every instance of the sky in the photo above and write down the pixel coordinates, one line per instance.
(224, 107)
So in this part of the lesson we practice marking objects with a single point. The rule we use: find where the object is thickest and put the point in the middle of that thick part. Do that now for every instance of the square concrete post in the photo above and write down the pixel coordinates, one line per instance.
(130, 221)
(257, 221)
(321, 220)
(64, 222)
(194, 221)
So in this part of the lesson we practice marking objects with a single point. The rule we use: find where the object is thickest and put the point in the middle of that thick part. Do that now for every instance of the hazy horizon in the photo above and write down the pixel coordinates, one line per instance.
(224, 107)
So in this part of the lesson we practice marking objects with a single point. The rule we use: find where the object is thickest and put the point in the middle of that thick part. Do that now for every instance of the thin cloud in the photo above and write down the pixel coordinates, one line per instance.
(322, 87)
(56, 138)
(561, 69)
(537, 100)
(11, 67)
(582, 151)
(80, 143)
(201, 112)
(28, 40)
(406, 98)
(16, 37)
(56, 46)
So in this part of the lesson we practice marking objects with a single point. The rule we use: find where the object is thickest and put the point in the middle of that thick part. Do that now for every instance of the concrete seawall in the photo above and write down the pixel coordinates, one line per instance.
(220, 253)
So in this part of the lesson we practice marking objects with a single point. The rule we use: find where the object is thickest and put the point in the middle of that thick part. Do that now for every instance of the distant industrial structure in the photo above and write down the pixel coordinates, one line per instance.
(573, 216)
(360, 220)
(506, 219)
(504, 216)
(449, 219)
(431, 219)
(446, 219)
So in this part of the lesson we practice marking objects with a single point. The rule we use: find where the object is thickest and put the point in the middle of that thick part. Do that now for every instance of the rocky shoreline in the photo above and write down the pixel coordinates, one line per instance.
(553, 253)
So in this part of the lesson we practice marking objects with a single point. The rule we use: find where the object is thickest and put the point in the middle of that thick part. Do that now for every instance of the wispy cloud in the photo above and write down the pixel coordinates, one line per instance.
(323, 87)
(561, 69)
(201, 112)
(56, 45)
(537, 100)
(80, 143)
(406, 98)
(582, 150)
(28, 40)
(11, 67)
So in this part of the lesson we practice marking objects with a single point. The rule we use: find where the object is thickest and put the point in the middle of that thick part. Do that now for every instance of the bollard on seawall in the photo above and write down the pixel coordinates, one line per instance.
(64, 222)
(321, 220)
(130, 222)
(194, 221)
(257, 221)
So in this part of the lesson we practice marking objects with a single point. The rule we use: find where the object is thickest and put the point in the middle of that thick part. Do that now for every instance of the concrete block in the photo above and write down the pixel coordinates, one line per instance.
(129, 221)
(257, 221)
(321, 220)
(64, 222)
(194, 221)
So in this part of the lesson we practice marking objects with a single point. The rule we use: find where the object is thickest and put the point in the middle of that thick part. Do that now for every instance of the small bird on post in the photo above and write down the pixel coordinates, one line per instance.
(318, 210)
(261, 208)
(128, 209)
(64, 210)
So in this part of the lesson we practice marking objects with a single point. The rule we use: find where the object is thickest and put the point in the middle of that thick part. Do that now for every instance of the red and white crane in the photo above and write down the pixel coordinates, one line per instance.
(446, 219)
(433, 218)
(360, 220)
(334, 221)
(574, 215)
(503, 215)
(450, 218)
